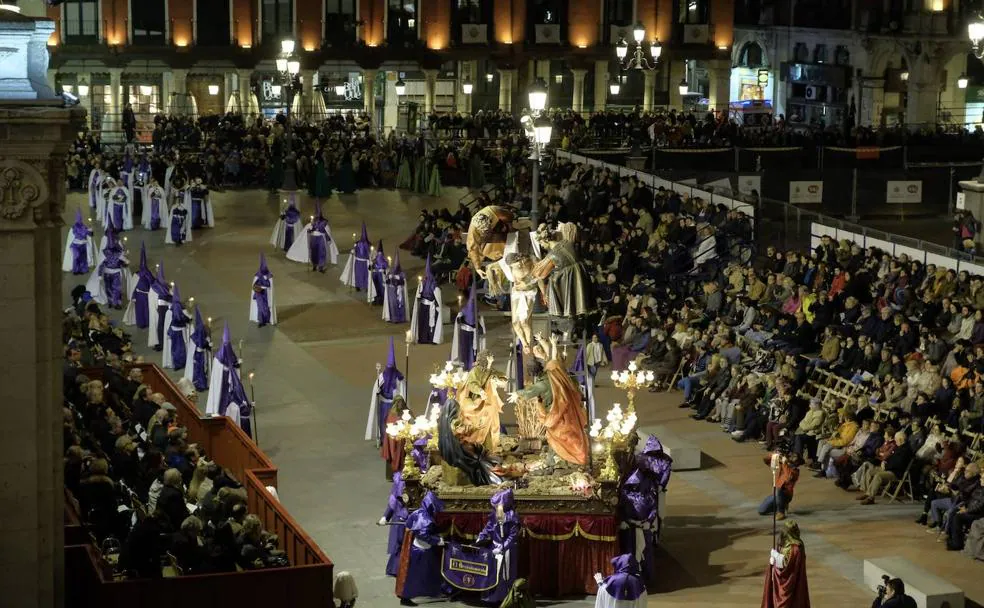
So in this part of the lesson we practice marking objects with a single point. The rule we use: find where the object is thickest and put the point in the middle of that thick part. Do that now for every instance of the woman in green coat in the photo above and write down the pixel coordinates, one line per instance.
(320, 185)
(434, 183)
(404, 177)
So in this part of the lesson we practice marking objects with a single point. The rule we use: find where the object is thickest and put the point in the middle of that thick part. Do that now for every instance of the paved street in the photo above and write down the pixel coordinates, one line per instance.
(313, 378)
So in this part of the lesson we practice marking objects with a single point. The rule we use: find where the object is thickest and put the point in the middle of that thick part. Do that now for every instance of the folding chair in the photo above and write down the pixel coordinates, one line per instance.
(894, 487)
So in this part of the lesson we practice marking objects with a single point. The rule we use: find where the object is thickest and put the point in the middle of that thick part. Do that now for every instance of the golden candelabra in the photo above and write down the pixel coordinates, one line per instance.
(410, 429)
(632, 381)
(613, 435)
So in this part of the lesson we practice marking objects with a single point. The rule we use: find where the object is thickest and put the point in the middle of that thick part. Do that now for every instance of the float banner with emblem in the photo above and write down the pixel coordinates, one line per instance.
(469, 568)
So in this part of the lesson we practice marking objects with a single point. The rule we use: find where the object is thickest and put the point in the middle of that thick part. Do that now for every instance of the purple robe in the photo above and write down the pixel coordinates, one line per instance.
(236, 397)
(395, 291)
(179, 320)
(424, 571)
(361, 251)
(656, 462)
(625, 584)
(638, 508)
(503, 535)
(118, 209)
(419, 453)
(378, 277)
(199, 211)
(318, 243)
(262, 298)
(155, 211)
(203, 349)
(111, 271)
(389, 382)
(80, 247)
(140, 292)
(178, 218)
(162, 289)
(291, 217)
(94, 189)
(396, 516)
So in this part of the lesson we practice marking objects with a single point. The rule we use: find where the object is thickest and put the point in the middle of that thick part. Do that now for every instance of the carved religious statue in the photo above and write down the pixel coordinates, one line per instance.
(480, 405)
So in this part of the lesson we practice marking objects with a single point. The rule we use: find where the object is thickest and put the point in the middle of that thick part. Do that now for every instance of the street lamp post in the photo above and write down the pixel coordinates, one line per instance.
(538, 130)
(288, 68)
(638, 59)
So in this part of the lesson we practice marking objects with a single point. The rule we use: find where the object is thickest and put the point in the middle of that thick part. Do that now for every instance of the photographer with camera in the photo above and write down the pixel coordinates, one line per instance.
(892, 595)
(785, 473)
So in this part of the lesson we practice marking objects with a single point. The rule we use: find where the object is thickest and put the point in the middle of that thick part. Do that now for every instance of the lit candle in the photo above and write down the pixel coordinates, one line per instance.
(172, 283)
(420, 279)
(389, 259)
(251, 374)
(354, 236)
(209, 322)
(191, 299)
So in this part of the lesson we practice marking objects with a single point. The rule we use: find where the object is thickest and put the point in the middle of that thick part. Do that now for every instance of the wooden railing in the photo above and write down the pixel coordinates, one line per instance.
(308, 581)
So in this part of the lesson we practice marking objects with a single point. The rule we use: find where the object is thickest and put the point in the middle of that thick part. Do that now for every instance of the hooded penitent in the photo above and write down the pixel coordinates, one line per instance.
(422, 576)
(200, 347)
(137, 310)
(427, 323)
(80, 253)
(377, 277)
(262, 306)
(395, 516)
(389, 384)
(175, 353)
(469, 332)
(626, 583)
(502, 530)
(395, 296)
(656, 461)
(356, 272)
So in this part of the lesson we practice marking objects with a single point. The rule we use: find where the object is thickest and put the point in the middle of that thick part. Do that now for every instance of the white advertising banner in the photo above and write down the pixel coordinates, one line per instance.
(806, 192)
(900, 191)
(747, 183)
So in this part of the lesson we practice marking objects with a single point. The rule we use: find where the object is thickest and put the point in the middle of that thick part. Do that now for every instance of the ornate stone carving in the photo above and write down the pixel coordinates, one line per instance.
(21, 186)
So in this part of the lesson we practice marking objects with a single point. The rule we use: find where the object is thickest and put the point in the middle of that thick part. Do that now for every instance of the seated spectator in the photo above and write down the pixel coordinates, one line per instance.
(171, 501)
(893, 468)
(188, 547)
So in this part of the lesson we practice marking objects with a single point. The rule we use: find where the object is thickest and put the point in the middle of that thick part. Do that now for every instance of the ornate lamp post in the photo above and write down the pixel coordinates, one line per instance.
(975, 31)
(632, 381)
(539, 131)
(288, 86)
(637, 59)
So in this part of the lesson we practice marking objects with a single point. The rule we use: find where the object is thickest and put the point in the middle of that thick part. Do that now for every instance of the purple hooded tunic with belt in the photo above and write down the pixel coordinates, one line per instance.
(427, 313)
(391, 378)
(111, 271)
(656, 462)
(199, 211)
(503, 535)
(396, 280)
(318, 240)
(638, 509)
(396, 516)
(203, 348)
(80, 245)
(155, 209)
(141, 290)
(291, 216)
(378, 274)
(424, 572)
(163, 292)
(467, 328)
(179, 320)
(361, 250)
(262, 278)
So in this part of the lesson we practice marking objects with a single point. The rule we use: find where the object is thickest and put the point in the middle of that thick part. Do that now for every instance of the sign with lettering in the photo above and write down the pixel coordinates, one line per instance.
(806, 192)
(469, 568)
(903, 191)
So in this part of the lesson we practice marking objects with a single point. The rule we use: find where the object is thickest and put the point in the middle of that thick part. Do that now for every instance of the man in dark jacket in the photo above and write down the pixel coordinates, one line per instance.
(965, 515)
(892, 469)
(894, 596)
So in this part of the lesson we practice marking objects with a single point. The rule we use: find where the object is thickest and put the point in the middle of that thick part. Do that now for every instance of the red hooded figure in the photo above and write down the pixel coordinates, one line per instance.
(785, 581)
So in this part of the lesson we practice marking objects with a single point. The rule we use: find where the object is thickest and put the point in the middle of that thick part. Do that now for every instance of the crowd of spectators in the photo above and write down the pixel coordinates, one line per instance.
(151, 500)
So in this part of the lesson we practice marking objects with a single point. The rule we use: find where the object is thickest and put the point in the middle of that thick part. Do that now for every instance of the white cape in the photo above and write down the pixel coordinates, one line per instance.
(371, 287)
(130, 314)
(402, 293)
(90, 252)
(127, 208)
(102, 202)
(348, 273)
(478, 345)
(604, 600)
(254, 314)
(186, 229)
(94, 194)
(279, 236)
(207, 204)
(436, 312)
(371, 423)
(166, 362)
(152, 302)
(162, 201)
(300, 252)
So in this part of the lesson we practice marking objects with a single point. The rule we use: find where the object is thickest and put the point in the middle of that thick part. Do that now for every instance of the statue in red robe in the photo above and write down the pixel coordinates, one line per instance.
(785, 581)
(393, 450)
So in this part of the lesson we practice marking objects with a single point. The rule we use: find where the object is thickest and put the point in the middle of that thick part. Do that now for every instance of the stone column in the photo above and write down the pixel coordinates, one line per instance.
(111, 121)
(578, 101)
(245, 92)
(649, 93)
(34, 137)
(430, 90)
(678, 70)
(369, 96)
(182, 105)
(720, 85)
(923, 99)
(506, 89)
(600, 85)
(50, 77)
(307, 92)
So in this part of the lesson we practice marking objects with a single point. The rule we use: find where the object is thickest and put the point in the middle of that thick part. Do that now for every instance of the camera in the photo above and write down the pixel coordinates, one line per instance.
(884, 585)
(784, 444)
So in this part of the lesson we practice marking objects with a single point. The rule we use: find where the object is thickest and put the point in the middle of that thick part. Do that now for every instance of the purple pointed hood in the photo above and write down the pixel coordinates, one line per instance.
(159, 284)
(653, 446)
(429, 284)
(226, 356)
(362, 246)
(625, 564)
(399, 486)
(317, 210)
(380, 260)
(578, 367)
(127, 163)
(264, 270)
(391, 375)
(177, 308)
(432, 504)
(143, 259)
(504, 498)
(365, 234)
(199, 335)
(469, 313)
(395, 268)
(78, 218)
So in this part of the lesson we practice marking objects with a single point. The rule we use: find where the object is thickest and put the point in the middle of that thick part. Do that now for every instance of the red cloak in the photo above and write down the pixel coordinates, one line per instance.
(393, 450)
(787, 588)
